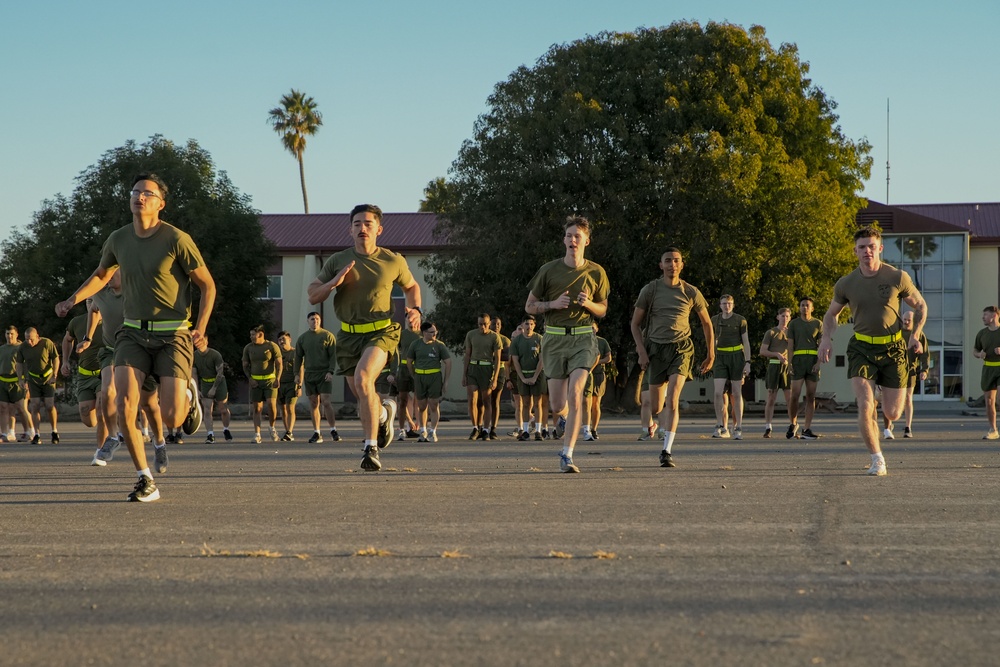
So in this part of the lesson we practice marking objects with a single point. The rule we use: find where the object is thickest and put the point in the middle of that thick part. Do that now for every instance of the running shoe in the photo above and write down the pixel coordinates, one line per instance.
(566, 464)
(990, 435)
(484, 434)
(560, 428)
(493, 434)
(475, 433)
(588, 436)
(666, 461)
(316, 438)
(793, 430)
(55, 438)
(545, 434)
(767, 432)
(434, 436)
(37, 440)
(160, 458)
(400, 436)
(333, 435)
(226, 434)
(274, 434)
(538, 436)
(878, 469)
(807, 434)
(178, 438)
(887, 434)
(370, 460)
(145, 491)
(412, 433)
(907, 433)
(720, 432)
(287, 437)
(106, 452)
(256, 438)
(737, 433)
(516, 433)
(524, 436)
(193, 420)
(210, 439)
(386, 430)
(593, 432)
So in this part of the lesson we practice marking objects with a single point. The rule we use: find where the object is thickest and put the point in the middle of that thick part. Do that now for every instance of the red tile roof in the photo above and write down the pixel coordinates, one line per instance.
(323, 233)
(982, 221)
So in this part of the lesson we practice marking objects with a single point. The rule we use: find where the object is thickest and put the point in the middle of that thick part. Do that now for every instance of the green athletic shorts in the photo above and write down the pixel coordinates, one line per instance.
(802, 367)
(776, 376)
(729, 366)
(540, 388)
(264, 391)
(404, 378)
(885, 364)
(36, 390)
(479, 376)
(596, 383)
(315, 382)
(990, 378)
(428, 385)
(350, 346)
(159, 353)
(286, 393)
(666, 359)
(11, 392)
(221, 390)
(561, 355)
(88, 386)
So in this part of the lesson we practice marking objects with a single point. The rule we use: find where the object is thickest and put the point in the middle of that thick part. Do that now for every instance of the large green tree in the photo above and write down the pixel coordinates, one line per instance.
(62, 245)
(705, 138)
(295, 119)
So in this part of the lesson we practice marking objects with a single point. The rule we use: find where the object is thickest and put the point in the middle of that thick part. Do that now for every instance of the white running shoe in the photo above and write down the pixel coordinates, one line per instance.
(887, 434)
(878, 469)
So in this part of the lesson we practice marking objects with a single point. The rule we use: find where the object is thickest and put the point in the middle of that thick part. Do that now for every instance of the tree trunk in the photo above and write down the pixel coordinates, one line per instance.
(302, 179)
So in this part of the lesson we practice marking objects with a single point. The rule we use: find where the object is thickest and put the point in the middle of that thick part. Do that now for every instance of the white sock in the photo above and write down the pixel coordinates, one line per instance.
(144, 473)
(767, 426)
(370, 443)
(586, 429)
(668, 441)
(524, 426)
(160, 446)
(567, 451)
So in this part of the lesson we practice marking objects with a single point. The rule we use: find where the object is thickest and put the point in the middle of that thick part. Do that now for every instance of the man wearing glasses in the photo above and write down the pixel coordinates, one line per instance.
(158, 262)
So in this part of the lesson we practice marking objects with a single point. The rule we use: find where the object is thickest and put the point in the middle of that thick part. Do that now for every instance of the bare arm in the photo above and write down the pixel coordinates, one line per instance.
(636, 327)
(919, 306)
(829, 327)
(318, 291)
(204, 281)
(709, 331)
(67, 347)
(91, 286)
(412, 294)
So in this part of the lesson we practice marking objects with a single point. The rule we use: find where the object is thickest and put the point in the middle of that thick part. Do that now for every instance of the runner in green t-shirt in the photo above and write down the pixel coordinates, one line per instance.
(804, 333)
(315, 368)
(661, 329)
(917, 372)
(987, 348)
(876, 354)
(289, 389)
(732, 365)
(571, 292)
(594, 390)
(363, 276)
(159, 263)
(774, 348)
(430, 361)
(525, 357)
(503, 375)
(262, 366)
(12, 398)
(209, 370)
(481, 366)
(40, 360)
(88, 372)
(403, 378)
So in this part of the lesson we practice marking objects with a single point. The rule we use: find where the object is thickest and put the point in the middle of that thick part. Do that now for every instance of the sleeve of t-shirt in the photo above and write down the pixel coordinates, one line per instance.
(743, 325)
(537, 284)
(767, 338)
(838, 292)
(699, 301)
(642, 301)
(906, 286)
(404, 277)
(603, 288)
(246, 355)
(109, 259)
(329, 270)
(188, 255)
(979, 342)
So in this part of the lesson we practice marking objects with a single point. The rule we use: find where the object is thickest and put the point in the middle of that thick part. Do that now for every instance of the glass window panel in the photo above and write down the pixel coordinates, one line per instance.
(932, 329)
(954, 276)
(892, 250)
(952, 332)
(953, 386)
(954, 247)
(952, 362)
(932, 248)
(931, 277)
(933, 300)
(912, 248)
(952, 306)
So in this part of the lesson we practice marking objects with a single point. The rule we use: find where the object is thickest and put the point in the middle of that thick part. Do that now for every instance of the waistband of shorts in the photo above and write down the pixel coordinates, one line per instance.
(480, 363)
(367, 327)
(801, 352)
(8, 379)
(991, 363)
(879, 340)
(89, 373)
(209, 380)
(426, 371)
(263, 377)
(157, 325)
(775, 361)
(569, 331)
(43, 376)
(736, 348)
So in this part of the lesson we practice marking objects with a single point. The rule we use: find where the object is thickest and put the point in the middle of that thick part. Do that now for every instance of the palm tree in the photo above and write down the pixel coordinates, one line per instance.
(294, 120)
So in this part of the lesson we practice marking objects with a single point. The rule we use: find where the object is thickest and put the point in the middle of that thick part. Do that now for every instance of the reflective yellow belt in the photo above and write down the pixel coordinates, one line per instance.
(83, 371)
(481, 363)
(10, 380)
(209, 380)
(991, 363)
(43, 376)
(879, 340)
(738, 348)
(263, 377)
(404, 361)
(364, 328)
(775, 361)
(569, 331)
(426, 371)
(158, 325)
(798, 352)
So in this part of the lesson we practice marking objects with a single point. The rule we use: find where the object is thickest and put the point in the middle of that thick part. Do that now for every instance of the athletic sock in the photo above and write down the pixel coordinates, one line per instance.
(370, 443)
(144, 473)
(159, 446)
(567, 451)
(668, 441)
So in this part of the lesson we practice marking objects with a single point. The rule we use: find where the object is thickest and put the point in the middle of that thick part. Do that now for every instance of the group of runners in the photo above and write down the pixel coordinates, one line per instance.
(150, 354)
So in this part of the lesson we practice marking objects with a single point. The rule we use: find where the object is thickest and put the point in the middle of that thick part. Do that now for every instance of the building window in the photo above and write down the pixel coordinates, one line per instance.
(273, 290)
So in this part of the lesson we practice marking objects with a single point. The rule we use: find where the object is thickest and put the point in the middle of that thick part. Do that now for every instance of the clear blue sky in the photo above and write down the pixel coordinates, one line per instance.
(400, 84)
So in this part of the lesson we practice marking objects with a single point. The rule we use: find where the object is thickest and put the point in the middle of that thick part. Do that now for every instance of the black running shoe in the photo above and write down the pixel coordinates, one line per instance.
(55, 438)
(226, 434)
(493, 434)
(807, 434)
(193, 420)
(178, 438)
(484, 434)
(412, 433)
(666, 461)
(287, 437)
(767, 432)
(145, 491)
(792, 431)
(475, 433)
(538, 436)
(525, 436)
(210, 439)
(593, 432)
(316, 438)
(333, 435)
(370, 460)
(160, 458)
(37, 440)
(169, 439)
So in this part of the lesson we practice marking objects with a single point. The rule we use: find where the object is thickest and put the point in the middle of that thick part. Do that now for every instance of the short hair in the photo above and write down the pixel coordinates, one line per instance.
(485, 316)
(868, 231)
(284, 333)
(155, 178)
(496, 318)
(29, 330)
(727, 297)
(367, 208)
(672, 249)
(12, 328)
(577, 221)
(991, 309)
(258, 329)
(528, 317)
(314, 313)
(784, 310)
(807, 298)
(425, 325)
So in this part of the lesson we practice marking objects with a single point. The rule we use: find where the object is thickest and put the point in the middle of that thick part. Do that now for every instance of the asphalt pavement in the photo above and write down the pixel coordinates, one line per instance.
(752, 552)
